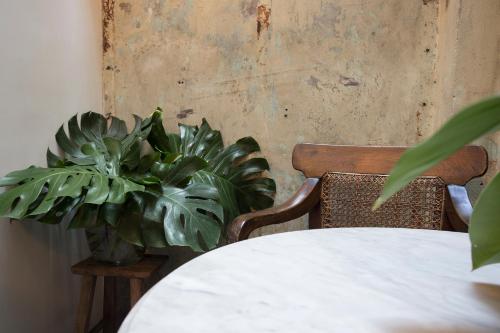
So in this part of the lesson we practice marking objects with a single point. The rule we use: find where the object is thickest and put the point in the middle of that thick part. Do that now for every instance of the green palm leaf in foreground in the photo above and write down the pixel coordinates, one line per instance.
(467, 125)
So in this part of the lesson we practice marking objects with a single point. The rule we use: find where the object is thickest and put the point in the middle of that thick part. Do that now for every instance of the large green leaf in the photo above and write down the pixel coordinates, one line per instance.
(190, 216)
(239, 180)
(159, 139)
(484, 229)
(203, 142)
(46, 185)
(242, 190)
(135, 228)
(467, 125)
(127, 218)
(227, 192)
(63, 210)
(179, 172)
(87, 216)
(93, 143)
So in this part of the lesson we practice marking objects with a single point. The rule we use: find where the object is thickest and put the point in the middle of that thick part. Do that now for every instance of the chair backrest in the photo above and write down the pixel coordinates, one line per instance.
(353, 176)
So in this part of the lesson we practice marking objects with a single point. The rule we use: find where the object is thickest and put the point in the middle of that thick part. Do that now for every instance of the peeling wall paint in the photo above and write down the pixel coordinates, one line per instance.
(283, 71)
(108, 13)
(263, 16)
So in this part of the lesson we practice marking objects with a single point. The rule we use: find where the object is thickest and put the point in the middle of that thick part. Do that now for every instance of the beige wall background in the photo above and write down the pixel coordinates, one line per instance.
(468, 66)
(344, 72)
(373, 72)
(50, 65)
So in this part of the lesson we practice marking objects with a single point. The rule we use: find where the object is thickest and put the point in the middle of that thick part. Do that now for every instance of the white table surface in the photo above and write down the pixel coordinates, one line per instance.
(330, 280)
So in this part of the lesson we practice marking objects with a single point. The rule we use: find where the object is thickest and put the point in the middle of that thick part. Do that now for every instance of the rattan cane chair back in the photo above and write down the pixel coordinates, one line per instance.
(352, 177)
(347, 198)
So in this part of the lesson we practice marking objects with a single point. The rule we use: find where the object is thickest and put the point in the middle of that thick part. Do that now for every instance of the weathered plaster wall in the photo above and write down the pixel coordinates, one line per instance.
(469, 62)
(283, 71)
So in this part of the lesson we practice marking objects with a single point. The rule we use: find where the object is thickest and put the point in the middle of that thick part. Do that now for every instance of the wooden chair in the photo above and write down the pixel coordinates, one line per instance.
(342, 182)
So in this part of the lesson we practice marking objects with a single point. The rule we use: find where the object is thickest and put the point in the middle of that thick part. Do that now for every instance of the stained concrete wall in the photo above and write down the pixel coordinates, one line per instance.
(50, 65)
(469, 62)
(376, 72)
(283, 71)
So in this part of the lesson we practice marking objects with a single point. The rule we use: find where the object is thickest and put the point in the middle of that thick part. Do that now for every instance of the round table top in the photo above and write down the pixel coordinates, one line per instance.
(330, 280)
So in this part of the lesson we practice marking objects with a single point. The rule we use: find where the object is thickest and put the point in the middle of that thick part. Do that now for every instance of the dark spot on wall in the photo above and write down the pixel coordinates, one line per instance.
(112, 68)
(184, 113)
(108, 15)
(419, 120)
(314, 82)
(126, 7)
(180, 82)
(249, 8)
(426, 2)
(427, 50)
(348, 81)
(424, 104)
(263, 15)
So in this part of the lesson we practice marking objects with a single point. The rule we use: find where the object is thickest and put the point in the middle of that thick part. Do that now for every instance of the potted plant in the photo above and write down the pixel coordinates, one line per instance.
(181, 190)
(466, 126)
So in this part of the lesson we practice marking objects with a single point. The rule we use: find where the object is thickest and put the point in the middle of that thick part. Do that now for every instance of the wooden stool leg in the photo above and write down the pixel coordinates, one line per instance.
(85, 305)
(110, 315)
(135, 291)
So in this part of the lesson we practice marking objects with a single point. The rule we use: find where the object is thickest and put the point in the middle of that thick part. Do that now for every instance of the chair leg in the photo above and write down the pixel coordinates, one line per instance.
(135, 291)
(85, 305)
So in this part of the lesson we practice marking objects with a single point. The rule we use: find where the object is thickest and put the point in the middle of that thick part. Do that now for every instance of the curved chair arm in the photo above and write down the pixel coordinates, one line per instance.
(460, 209)
(301, 203)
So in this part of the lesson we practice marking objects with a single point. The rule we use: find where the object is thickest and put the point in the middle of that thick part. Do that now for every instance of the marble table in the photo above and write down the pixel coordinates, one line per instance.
(330, 280)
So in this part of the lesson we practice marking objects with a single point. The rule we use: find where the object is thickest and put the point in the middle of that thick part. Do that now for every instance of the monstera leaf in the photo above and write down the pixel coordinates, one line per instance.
(94, 143)
(38, 189)
(190, 216)
(238, 179)
(185, 215)
(241, 186)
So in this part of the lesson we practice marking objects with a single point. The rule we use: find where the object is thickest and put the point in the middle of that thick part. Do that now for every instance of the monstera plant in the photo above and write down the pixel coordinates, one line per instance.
(146, 188)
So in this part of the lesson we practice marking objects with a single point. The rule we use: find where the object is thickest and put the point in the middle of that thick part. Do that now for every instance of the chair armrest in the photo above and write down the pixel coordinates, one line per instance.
(459, 210)
(299, 204)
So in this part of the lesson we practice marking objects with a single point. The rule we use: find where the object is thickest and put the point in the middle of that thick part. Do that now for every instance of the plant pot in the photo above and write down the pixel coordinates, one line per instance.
(106, 246)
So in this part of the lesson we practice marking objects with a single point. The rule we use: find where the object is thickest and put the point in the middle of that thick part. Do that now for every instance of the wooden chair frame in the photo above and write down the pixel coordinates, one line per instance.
(314, 160)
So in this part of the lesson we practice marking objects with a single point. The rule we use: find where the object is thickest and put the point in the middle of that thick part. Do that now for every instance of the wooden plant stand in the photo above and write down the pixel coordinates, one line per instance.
(136, 274)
